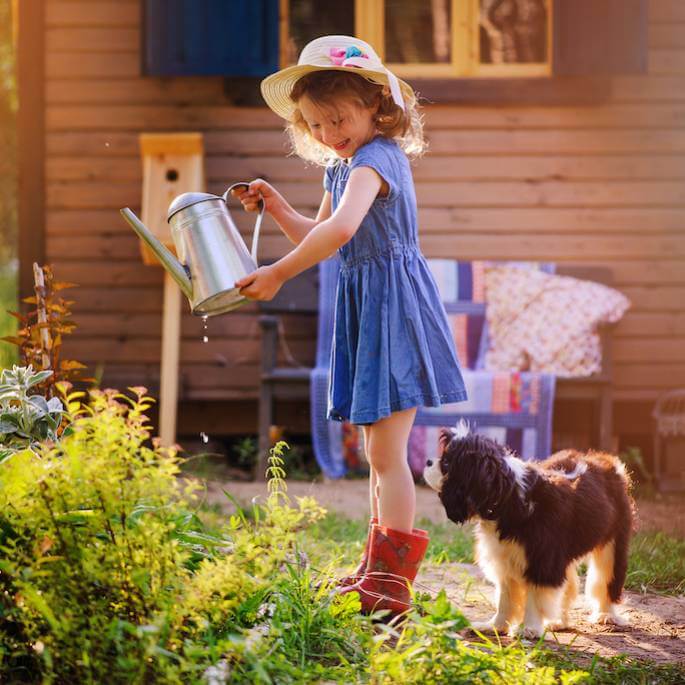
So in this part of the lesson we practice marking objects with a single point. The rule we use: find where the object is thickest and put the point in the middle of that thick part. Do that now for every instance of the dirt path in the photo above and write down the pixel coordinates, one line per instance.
(656, 630)
(657, 624)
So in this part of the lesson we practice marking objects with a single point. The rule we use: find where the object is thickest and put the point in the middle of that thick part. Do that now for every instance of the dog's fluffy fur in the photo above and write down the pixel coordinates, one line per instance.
(535, 522)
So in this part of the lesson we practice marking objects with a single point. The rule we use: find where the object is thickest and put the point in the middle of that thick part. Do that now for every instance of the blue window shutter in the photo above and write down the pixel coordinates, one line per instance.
(210, 37)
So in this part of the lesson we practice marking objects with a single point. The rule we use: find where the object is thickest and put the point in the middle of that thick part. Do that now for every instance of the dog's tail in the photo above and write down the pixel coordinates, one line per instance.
(624, 527)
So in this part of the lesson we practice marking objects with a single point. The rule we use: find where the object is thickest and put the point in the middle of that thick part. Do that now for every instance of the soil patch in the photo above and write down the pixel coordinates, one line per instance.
(656, 630)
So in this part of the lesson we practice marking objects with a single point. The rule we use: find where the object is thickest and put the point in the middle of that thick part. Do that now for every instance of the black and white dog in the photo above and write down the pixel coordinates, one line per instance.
(535, 522)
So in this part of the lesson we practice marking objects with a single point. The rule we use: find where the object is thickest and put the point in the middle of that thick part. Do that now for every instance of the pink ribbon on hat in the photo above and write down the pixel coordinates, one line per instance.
(353, 57)
(347, 57)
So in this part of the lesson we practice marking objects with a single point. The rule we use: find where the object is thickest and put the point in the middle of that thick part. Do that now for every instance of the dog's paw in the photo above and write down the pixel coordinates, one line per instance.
(488, 627)
(529, 632)
(608, 618)
(557, 626)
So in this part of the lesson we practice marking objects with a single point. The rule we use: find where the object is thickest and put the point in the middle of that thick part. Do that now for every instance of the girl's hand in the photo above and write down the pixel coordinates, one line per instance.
(262, 284)
(258, 190)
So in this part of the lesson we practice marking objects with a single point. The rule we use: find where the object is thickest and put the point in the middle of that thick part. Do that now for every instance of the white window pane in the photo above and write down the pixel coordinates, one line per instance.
(418, 31)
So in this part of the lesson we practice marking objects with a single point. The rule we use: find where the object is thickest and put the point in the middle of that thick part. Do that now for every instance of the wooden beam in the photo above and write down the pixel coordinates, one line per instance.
(31, 139)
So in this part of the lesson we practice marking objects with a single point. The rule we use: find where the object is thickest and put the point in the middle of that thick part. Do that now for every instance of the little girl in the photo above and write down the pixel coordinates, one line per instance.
(392, 348)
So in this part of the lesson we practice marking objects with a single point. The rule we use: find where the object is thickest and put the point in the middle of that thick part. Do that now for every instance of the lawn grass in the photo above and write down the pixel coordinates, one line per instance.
(617, 670)
(8, 324)
(656, 564)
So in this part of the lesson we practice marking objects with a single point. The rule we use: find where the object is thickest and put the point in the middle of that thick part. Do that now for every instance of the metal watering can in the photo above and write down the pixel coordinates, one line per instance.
(212, 253)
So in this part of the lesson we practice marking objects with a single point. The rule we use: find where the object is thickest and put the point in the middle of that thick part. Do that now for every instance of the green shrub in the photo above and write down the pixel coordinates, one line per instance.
(25, 419)
(106, 575)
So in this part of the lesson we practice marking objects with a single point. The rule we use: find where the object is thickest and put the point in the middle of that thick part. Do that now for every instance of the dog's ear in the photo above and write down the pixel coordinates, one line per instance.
(456, 503)
(494, 484)
(446, 436)
(455, 493)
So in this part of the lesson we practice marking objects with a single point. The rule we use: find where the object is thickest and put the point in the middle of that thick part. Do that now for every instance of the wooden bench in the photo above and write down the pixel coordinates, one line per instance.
(300, 296)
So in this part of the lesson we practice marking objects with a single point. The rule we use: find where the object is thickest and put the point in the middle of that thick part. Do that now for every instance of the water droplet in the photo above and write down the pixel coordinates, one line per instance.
(106, 144)
(205, 338)
(205, 437)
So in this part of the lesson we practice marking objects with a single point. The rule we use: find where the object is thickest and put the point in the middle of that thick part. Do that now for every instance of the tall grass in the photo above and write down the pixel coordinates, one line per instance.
(8, 324)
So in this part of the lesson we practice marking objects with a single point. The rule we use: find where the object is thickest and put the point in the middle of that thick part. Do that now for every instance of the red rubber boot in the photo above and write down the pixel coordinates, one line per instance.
(394, 560)
(358, 573)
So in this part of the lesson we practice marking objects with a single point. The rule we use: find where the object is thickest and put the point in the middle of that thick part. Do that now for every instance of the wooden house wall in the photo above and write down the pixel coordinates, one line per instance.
(600, 185)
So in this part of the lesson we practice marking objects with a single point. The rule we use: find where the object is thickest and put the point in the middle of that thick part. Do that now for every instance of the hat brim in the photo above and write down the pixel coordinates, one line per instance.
(277, 87)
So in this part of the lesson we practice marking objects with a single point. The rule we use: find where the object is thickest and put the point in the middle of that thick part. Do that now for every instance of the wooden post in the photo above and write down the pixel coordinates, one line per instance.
(39, 287)
(171, 334)
(172, 164)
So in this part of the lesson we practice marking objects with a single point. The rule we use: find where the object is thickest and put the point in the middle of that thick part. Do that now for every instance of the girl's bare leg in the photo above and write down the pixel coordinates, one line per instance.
(373, 476)
(387, 455)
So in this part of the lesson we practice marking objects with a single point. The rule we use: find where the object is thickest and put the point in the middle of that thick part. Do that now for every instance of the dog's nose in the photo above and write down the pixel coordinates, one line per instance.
(429, 462)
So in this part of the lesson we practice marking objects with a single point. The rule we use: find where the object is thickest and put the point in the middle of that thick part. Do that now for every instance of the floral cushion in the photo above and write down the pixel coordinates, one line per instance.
(546, 323)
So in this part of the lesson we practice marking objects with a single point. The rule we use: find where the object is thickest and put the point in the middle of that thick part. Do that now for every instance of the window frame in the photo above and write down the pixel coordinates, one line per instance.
(369, 19)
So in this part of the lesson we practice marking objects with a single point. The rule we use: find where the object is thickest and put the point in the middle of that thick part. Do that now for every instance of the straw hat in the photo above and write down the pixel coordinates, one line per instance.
(337, 53)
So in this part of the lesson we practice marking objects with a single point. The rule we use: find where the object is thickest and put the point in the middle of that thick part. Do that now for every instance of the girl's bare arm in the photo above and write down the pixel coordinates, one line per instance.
(294, 225)
(330, 233)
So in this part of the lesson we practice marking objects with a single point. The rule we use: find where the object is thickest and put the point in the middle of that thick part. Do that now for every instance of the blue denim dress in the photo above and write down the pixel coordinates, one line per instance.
(392, 347)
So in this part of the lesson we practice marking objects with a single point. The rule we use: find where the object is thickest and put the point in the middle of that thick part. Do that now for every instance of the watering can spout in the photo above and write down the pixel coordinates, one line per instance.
(169, 262)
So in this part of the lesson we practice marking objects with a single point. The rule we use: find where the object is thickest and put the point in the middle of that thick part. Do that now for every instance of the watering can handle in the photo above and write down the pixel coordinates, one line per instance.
(258, 223)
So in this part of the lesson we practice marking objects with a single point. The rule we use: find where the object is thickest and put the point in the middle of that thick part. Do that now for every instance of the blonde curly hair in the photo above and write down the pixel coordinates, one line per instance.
(328, 86)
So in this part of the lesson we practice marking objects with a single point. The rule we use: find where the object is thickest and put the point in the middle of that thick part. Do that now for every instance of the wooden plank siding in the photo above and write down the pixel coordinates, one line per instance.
(596, 185)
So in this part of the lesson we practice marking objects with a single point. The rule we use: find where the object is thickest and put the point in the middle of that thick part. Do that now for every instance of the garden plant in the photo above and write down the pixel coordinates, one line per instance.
(110, 572)
(113, 570)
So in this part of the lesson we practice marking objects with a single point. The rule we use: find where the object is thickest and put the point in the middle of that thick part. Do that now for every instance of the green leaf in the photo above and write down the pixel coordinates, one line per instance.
(7, 427)
(78, 516)
(40, 403)
(55, 405)
(39, 377)
(32, 597)
(53, 420)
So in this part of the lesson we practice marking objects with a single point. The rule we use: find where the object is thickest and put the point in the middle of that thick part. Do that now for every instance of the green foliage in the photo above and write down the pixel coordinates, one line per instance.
(634, 461)
(107, 575)
(246, 452)
(621, 669)
(656, 564)
(8, 138)
(431, 650)
(8, 301)
(25, 419)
